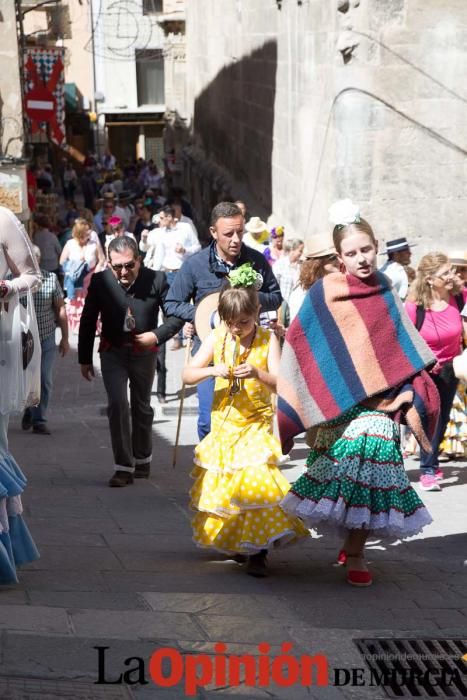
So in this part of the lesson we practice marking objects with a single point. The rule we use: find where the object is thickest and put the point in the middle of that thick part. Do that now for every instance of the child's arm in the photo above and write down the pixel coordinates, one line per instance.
(269, 378)
(199, 369)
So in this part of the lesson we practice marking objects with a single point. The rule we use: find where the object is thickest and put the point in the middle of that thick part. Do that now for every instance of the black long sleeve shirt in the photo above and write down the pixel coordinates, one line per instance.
(145, 298)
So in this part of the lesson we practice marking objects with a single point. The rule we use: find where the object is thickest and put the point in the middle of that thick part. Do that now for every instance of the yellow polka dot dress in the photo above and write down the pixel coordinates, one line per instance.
(238, 487)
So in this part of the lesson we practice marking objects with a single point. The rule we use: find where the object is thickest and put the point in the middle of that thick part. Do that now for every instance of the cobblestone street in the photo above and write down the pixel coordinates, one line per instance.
(118, 567)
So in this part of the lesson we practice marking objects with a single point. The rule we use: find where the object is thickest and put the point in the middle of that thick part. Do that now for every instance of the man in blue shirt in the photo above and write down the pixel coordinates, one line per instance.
(205, 272)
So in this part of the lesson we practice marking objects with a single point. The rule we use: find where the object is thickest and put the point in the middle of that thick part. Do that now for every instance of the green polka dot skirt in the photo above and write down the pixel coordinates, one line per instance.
(355, 478)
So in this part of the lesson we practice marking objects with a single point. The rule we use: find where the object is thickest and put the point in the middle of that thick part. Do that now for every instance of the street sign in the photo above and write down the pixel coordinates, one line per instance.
(39, 104)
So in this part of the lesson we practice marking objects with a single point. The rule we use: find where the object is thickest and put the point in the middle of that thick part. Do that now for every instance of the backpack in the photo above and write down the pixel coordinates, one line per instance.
(420, 317)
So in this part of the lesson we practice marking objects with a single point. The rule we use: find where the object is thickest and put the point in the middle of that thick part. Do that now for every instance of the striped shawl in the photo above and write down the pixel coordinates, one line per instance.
(353, 343)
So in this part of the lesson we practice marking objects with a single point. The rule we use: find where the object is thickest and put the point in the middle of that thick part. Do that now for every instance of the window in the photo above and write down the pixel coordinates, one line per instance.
(150, 77)
(152, 7)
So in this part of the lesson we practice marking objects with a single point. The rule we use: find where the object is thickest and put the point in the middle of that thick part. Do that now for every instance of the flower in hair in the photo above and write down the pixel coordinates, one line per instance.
(245, 276)
(344, 212)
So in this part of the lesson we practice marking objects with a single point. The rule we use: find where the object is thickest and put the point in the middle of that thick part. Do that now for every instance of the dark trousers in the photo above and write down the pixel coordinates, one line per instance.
(446, 383)
(130, 422)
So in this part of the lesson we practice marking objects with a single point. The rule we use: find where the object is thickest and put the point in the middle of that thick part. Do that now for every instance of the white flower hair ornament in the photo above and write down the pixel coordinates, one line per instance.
(344, 212)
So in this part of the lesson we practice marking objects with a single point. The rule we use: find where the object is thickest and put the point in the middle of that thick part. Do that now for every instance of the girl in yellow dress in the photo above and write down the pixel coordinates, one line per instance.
(238, 486)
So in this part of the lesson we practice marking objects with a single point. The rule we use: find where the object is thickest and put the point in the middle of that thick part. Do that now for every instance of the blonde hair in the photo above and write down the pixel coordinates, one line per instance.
(238, 301)
(79, 227)
(420, 289)
(341, 232)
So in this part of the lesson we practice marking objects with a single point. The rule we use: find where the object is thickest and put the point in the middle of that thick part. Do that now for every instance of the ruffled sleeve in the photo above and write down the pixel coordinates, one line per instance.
(18, 253)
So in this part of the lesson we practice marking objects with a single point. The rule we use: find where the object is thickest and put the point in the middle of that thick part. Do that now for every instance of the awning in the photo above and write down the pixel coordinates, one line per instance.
(73, 98)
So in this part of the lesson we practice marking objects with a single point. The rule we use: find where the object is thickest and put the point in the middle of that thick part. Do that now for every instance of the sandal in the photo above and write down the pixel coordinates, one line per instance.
(358, 577)
(341, 558)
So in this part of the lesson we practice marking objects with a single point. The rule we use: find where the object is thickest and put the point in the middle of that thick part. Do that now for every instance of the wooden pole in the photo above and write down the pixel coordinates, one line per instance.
(180, 408)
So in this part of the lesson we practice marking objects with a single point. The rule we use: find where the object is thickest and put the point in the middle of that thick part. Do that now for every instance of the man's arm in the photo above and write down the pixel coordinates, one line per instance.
(182, 290)
(60, 316)
(171, 324)
(192, 244)
(62, 322)
(88, 323)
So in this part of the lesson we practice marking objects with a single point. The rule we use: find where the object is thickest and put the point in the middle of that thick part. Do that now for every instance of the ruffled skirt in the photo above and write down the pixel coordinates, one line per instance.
(237, 492)
(356, 479)
(16, 544)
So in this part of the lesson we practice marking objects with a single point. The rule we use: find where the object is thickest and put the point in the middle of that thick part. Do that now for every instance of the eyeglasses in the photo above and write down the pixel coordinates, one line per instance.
(118, 267)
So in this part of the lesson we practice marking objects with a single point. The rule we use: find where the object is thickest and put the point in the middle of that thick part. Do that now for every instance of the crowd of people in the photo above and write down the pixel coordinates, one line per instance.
(357, 356)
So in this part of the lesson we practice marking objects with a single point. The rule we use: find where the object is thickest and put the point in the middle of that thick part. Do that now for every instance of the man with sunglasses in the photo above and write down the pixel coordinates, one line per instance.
(128, 298)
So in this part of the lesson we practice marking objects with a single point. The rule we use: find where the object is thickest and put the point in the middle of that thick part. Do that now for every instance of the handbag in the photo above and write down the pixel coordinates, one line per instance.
(20, 355)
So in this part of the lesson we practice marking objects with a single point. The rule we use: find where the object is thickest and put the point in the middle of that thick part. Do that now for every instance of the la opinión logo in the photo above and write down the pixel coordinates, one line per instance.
(167, 667)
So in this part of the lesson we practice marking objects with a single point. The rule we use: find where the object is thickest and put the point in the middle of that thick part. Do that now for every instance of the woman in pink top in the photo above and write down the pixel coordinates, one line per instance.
(439, 299)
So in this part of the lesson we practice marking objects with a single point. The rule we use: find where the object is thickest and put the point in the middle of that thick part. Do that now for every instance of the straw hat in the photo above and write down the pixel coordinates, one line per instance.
(459, 364)
(255, 225)
(206, 316)
(458, 258)
(319, 246)
(398, 244)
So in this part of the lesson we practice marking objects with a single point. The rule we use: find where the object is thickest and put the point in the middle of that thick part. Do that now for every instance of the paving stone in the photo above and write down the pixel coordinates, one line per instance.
(62, 580)
(87, 599)
(69, 657)
(75, 558)
(39, 619)
(250, 606)
(135, 625)
(240, 629)
(40, 689)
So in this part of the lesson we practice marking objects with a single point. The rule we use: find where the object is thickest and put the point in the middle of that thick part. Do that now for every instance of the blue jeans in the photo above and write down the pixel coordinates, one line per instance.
(205, 392)
(49, 352)
(446, 383)
(170, 278)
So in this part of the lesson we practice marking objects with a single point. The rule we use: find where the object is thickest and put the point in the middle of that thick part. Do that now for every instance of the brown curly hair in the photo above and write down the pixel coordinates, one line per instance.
(313, 269)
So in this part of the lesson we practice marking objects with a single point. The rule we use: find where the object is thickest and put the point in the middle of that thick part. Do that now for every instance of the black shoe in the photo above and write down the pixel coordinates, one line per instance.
(142, 471)
(26, 420)
(256, 565)
(121, 478)
(41, 429)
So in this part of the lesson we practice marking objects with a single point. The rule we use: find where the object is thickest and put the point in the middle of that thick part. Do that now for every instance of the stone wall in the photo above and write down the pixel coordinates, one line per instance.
(11, 124)
(295, 107)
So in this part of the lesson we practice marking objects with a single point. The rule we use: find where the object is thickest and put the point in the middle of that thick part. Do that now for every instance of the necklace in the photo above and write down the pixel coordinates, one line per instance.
(234, 382)
(245, 353)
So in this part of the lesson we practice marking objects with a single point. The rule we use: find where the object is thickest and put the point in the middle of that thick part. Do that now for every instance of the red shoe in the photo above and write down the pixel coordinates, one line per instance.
(359, 578)
(341, 558)
(439, 475)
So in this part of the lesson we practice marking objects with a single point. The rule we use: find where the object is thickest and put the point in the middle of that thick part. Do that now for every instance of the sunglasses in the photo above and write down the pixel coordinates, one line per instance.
(118, 267)
(447, 274)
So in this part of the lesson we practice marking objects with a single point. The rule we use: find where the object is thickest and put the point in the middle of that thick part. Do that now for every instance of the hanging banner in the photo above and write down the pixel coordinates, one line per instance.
(44, 98)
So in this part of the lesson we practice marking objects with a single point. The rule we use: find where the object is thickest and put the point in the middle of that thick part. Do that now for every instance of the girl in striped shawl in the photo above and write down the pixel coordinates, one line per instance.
(350, 362)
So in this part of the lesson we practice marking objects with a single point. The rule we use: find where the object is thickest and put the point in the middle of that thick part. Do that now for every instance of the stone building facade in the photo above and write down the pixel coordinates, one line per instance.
(295, 103)
(11, 120)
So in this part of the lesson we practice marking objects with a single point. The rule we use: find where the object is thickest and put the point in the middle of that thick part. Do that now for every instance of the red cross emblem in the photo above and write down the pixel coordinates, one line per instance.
(40, 103)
